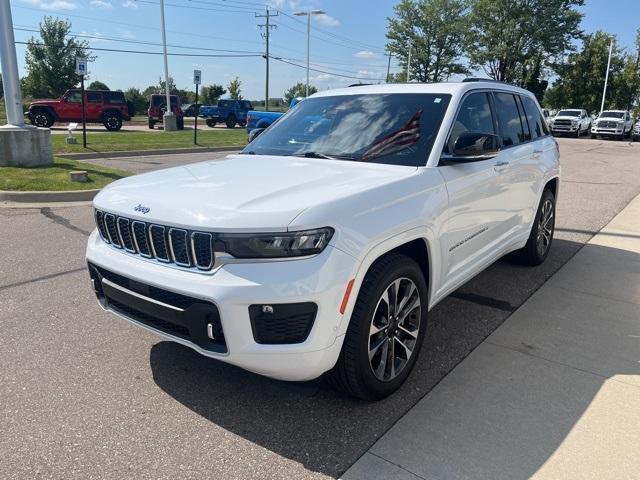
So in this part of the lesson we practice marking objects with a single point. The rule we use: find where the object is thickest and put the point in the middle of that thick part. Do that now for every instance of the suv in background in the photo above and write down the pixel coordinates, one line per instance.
(229, 112)
(612, 123)
(158, 107)
(101, 106)
(571, 121)
(322, 246)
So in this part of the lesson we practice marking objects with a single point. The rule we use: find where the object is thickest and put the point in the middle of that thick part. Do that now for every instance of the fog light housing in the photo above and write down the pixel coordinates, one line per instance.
(284, 323)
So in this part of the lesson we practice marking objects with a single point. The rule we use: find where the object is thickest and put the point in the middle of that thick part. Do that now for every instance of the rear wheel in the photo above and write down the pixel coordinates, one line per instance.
(537, 248)
(112, 121)
(152, 124)
(231, 121)
(180, 123)
(386, 330)
(42, 118)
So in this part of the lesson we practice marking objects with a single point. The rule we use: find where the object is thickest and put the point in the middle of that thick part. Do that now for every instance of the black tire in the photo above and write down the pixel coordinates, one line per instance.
(112, 121)
(534, 254)
(131, 108)
(231, 121)
(152, 124)
(41, 118)
(354, 372)
(594, 136)
(180, 123)
(211, 122)
(242, 124)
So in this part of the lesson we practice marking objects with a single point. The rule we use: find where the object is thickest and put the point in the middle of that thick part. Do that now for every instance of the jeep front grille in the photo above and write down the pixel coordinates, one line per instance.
(181, 247)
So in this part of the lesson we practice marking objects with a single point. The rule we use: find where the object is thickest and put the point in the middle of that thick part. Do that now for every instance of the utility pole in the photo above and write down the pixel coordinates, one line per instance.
(169, 118)
(389, 65)
(606, 77)
(267, 27)
(409, 64)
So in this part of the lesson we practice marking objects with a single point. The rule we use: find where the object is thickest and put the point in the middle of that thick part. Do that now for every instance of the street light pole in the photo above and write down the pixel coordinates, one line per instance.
(606, 77)
(308, 15)
(168, 117)
(9, 62)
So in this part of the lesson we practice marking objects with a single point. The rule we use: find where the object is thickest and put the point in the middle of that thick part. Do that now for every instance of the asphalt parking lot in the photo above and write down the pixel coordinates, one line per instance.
(84, 394)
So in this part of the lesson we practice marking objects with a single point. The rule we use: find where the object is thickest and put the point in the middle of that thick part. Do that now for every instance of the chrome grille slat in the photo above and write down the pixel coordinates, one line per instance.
(124, 231)
(140, 238)
(112, 230)
(202, 250)
(157, 235)
(181, 247)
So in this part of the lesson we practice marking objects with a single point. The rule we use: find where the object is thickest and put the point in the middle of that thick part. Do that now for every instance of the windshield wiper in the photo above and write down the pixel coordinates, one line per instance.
(313, 155)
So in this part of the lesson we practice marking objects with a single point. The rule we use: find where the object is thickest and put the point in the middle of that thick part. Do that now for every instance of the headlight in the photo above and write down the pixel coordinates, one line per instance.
(275, 245)
(574, 122)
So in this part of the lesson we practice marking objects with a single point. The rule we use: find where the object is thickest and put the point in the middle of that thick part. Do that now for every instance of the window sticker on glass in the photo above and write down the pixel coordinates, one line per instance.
(437, 100)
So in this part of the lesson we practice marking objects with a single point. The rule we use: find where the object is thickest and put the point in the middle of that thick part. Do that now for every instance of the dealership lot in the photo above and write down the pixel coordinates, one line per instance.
(86, 395)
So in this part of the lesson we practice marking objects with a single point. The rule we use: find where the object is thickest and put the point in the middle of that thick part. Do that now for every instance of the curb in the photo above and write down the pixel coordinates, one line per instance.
(145, 153)
(48, 196)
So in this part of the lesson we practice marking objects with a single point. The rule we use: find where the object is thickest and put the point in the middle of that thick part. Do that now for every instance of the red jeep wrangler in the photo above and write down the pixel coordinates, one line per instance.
(101, 106)
(158, 107)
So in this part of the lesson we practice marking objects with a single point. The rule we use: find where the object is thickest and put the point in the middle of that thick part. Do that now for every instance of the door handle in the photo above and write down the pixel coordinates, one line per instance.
(500, 165)
(537, 153)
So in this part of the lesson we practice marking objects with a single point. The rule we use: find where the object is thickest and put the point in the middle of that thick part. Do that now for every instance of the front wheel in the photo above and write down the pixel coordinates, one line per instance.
(231, 121)
(180, 123)
(42, 118)
(386, 330)
(211, 122)
(537, 248)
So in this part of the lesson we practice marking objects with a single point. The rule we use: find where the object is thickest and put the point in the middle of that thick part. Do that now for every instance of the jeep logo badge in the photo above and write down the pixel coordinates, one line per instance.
(142, 209)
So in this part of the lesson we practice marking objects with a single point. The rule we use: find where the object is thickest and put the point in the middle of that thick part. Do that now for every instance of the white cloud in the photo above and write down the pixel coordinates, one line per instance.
(101, 4)
(126, 34)
(130, 4)
(366, 54)
(52, 4)
(327, 20)
(96, 37)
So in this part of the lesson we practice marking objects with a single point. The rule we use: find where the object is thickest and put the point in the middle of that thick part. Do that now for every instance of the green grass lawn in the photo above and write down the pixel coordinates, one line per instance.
(129, 141)
(56, 176)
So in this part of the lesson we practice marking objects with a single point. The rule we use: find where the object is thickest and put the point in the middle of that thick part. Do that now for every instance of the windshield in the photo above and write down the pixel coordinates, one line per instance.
(569, 113)
(396, 129)
(612, 114)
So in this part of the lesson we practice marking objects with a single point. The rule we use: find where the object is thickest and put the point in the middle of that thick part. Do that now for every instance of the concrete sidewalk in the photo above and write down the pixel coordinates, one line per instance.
(553, 393)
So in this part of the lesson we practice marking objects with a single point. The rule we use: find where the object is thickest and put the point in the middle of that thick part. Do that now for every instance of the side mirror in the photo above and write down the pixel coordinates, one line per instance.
(254, 133)
(474, 146)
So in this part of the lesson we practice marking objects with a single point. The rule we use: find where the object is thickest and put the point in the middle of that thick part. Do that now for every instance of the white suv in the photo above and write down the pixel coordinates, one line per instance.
(322, 246)
(612, 123)
(571, 121)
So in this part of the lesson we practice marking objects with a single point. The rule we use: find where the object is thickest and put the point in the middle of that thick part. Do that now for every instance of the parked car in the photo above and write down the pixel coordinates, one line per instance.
(322, 246)
(101, 106)
(229, 112)
(158, 107)
(612, 123)
(259, 119)
(635, 133)
(571, 121)
(191, 109)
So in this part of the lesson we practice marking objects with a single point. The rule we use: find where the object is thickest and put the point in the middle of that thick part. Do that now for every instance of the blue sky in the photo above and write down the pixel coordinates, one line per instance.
(349, 40)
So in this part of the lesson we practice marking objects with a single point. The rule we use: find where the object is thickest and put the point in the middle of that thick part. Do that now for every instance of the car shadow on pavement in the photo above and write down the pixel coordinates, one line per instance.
(326, 431)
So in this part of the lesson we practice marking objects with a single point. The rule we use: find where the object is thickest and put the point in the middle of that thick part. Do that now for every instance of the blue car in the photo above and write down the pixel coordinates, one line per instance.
(259, 119)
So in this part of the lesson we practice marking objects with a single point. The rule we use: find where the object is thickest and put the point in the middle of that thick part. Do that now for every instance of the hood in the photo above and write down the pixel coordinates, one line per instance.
(44, 101)
(242, 192)
(565, 117)
(611, 119)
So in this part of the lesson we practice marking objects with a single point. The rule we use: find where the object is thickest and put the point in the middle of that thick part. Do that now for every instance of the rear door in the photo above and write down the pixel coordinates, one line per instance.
(93, 106)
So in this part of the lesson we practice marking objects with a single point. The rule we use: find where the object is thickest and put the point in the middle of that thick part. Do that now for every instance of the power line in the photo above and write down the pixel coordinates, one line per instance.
(280, 59)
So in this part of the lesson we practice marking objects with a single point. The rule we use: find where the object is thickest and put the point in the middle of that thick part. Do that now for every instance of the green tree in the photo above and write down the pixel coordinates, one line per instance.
(51, 61)
(435, 30)
(140, 102)
(581, 77)
(509, 37)
(234, 89)
(210, 95)
(298, 90)
(98, 85)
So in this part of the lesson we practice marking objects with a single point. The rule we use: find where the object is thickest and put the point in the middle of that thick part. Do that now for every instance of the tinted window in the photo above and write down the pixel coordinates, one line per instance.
(569, 113)
(114, 97)
(509, 119)
(224, 103)
(612, 114)
(534, 117)
(396, 129)
(474, 116)
(523, 119)
(94, 97)
(74, 97)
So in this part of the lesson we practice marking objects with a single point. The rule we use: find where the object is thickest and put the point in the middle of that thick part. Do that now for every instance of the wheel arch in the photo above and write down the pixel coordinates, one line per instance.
(106, 111)
(50, 110)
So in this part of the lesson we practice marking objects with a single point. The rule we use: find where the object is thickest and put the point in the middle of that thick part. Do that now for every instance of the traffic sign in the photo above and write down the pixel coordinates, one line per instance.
(81, 66)
(197, 74)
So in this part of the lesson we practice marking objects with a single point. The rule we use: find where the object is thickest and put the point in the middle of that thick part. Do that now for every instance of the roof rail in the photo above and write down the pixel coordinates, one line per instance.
(359, 84)
(478, 79)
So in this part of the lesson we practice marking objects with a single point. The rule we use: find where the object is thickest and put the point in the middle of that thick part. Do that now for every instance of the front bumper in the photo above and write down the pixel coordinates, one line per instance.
(606, 131)
(233, 288)
(564, 128)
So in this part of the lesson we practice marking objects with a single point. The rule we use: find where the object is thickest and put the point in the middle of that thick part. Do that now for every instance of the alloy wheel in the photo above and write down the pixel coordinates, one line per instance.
(394, 329)
(545, 228)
